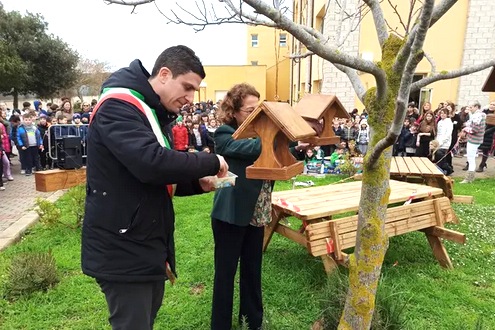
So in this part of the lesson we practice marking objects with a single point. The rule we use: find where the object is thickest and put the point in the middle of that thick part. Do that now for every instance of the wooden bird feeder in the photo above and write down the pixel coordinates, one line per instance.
(489, 86)
(322, 107)
(275, 124)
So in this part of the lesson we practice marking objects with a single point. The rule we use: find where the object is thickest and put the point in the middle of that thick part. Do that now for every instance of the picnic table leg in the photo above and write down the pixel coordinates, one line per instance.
(329, 263)
(439, 251)
(270, 228)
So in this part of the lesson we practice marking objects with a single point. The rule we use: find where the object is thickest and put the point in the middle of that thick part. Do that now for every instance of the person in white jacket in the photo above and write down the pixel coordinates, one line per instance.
(444, 134)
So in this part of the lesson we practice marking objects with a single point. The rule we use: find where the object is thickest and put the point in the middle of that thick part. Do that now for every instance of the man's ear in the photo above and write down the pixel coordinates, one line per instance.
(164, 74)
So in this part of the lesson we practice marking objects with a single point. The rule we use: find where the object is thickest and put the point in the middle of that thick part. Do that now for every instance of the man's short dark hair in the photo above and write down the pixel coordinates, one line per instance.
(180, 60)
(26, 104)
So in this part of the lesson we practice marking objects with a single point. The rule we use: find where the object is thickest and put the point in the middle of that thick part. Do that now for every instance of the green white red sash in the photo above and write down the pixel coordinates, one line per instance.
(136, 99)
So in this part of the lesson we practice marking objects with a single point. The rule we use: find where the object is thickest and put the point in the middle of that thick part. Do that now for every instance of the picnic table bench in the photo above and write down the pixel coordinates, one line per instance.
(420, 170)
(326, 236)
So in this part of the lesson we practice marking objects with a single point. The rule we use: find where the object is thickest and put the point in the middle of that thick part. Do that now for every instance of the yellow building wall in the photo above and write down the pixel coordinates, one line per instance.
(444, 42)
(221, 78)
(300, 67)
(278, 89)
(268, 52)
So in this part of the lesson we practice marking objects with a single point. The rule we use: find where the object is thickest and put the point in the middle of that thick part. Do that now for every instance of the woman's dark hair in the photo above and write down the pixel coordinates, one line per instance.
(179, 60)
(233, 100)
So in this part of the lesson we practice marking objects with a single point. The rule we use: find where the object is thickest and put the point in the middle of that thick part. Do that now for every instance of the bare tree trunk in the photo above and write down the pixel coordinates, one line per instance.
(15, 103)
(371, 245)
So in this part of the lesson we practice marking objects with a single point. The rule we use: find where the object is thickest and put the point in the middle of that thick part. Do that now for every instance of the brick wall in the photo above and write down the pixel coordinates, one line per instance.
(334, 81)
(479, 46)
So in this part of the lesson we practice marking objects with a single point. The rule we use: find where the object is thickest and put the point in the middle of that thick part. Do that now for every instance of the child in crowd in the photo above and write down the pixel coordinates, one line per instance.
(410, 138)
(437, 156)
(363, 138)
(319, 153)
(29, 141)
(310, 156)
(43, 128)
(399, 146)
(336, 156)
(181, 136)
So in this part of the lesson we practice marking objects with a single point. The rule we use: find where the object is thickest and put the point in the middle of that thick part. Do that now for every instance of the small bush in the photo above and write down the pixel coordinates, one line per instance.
(77, 199)
(347, 166)
(47, 211)
(29, 273)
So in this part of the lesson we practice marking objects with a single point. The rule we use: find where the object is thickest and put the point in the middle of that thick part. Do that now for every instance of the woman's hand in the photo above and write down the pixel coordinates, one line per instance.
(315, 125)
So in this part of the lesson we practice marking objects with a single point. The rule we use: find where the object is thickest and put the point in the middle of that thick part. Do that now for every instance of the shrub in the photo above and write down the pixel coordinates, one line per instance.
(29, 273)
(47, 211)
(77, 199)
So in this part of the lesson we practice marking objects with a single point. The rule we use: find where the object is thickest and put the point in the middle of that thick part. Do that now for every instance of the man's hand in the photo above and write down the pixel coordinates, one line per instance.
(23, 148)
(207, 183)
(224, 167)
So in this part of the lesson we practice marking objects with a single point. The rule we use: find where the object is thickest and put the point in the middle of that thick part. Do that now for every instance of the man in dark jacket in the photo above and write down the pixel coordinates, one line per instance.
(132, 174)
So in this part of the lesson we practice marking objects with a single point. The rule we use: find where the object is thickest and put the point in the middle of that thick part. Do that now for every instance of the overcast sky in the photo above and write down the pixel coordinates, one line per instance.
(110, 33)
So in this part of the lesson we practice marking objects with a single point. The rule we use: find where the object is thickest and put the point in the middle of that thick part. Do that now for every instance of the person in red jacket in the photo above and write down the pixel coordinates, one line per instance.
(181, 136)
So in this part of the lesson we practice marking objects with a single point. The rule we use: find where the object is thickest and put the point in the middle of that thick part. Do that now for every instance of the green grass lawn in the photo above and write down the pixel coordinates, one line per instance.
(293, 281)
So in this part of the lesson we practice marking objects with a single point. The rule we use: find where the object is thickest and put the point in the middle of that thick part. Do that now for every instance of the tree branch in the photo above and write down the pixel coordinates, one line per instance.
(378, 17)
(415, 56)
(438, 11)
(315, 45)
(394, 7)
(432, 63)
(356, 82)
(299, 56)
(128, 2)
(450, 75)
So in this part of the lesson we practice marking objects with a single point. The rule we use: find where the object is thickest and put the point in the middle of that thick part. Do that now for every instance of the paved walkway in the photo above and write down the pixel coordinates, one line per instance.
(17, 203)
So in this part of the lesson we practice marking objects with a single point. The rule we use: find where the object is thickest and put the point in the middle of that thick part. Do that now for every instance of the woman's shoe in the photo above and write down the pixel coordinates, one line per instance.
(481, 168)
(465, 168)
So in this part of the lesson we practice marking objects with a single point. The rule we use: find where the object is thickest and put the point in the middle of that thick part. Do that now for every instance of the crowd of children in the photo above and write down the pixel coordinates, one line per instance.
(27, 130)
(437, 134)
(425, 133)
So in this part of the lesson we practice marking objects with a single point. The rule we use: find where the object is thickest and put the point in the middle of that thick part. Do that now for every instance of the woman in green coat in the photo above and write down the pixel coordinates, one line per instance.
(238, 216)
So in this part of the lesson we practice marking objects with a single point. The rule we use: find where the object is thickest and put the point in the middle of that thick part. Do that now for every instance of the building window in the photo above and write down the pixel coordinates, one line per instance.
(283, 40)
(254, 62)
(254, 40)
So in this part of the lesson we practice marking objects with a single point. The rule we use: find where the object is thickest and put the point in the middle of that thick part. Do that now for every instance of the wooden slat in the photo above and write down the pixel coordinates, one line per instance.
(320, 230)
(463, 199)
(411, 164)
(319, 202)
(288, 120)
(401, 164)
(445, 233)
(394, 169)
(432, 168)
(291, 234)
(348, 240)
(400, 220)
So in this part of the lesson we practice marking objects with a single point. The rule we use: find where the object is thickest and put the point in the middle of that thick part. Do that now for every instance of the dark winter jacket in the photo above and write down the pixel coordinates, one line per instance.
(488, 138)
(128, 229)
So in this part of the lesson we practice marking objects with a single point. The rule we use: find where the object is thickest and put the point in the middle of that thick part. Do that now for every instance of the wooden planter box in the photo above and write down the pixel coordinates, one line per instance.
(53, 180)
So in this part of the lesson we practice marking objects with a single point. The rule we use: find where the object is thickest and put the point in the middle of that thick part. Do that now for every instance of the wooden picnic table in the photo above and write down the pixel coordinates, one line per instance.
(317, 206)
(420, 169)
